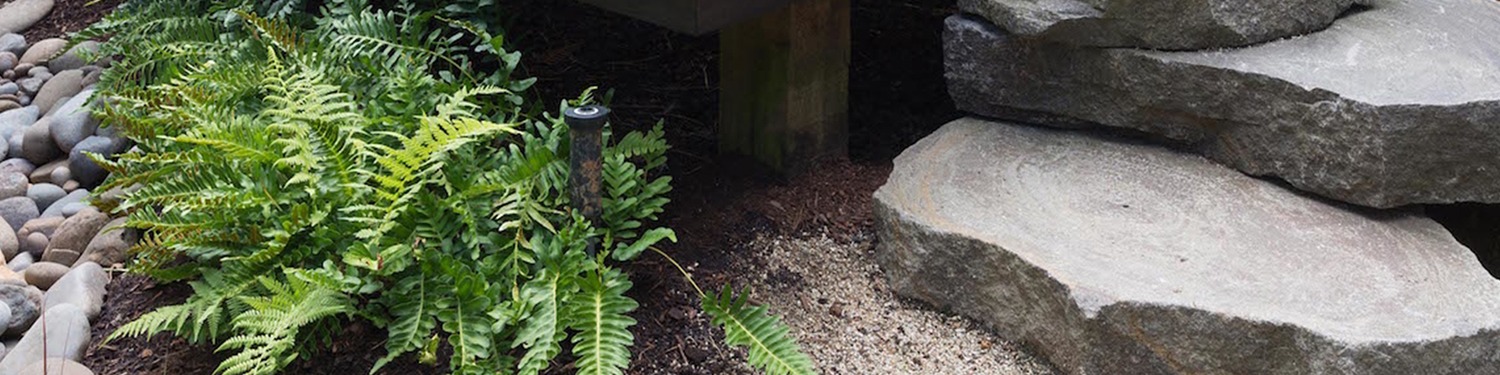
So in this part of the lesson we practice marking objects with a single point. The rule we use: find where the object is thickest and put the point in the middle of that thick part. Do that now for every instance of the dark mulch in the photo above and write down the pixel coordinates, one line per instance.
(130, 296)
(69, 16)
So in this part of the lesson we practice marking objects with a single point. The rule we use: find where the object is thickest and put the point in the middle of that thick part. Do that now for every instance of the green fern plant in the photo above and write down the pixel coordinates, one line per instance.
(269, 328)
(299, 170)
(770, 345)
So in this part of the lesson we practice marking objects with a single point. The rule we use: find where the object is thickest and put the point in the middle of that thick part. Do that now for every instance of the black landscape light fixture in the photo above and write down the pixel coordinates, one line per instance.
(585, 182)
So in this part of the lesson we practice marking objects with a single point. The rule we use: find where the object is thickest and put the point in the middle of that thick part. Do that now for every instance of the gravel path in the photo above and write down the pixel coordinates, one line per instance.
(836, 300)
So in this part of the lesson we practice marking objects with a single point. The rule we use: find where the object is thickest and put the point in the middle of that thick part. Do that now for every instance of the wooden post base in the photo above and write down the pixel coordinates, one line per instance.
(783, 85)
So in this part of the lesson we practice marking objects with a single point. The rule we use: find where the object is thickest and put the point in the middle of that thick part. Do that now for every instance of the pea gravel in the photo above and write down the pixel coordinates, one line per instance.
(836, 301)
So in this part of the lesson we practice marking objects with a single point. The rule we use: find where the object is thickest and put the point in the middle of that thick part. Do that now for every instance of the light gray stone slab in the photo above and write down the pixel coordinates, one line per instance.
(1172, 25)
(1392, 106)
(1116, 257)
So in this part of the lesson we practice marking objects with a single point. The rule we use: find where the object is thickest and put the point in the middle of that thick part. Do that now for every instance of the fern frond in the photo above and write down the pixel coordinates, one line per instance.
(406, 170)
(599, 317)
(201, 318)
(465, 316)
(771, 348)
(266, 333)
(278, 33)
(413, 308)
(540, 330)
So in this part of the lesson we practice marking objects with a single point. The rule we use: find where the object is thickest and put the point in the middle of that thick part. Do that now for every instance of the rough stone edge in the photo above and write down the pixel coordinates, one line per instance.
(1100, 28)
(906, 248)
(1212, 145)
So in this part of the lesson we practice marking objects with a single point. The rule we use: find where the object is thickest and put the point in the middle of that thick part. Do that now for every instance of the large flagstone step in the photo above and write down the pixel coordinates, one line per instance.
(1115, 257)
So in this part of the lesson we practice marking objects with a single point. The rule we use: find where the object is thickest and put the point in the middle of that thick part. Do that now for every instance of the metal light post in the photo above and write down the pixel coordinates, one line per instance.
(585, 183)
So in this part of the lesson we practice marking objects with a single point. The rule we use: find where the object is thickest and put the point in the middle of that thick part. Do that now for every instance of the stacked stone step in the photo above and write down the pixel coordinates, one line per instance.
(1211, 186)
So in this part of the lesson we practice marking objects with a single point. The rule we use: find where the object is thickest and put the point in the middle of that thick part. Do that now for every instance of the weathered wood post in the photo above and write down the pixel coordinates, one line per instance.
(783, 72)
(783, 85)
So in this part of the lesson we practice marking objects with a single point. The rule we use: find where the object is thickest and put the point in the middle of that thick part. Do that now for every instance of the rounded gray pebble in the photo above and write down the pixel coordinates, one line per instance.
(45, 194)
(70, 209)
(61, 175)
(35, 244)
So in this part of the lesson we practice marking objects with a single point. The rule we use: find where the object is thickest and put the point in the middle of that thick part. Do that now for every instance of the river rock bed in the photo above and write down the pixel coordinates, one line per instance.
(58, 247)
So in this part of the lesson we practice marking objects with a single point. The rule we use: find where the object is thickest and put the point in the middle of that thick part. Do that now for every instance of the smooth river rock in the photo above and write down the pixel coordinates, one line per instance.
(44, 274)
(82, 286)
(17, 211)
(44, 225)
(10, 244)
(1170, 25)
(66, 257)
(74, 121)
(25, 305)
(1391, 106)
(76, 232)
(43, 173)
(110, 246)
(84, 169)
(12, 122)
(67, 337)
(13, 184)
(74, 58)
(34, 244)
(37, 145)
(56, 366)
(16, 165)
(43, 51)
(20, 262)
(64, 84)
(56, 209)
(44, 194)
(1116, 257)
(13, 43)
(16, 16)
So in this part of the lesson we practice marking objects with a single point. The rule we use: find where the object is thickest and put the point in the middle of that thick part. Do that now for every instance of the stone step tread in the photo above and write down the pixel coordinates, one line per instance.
(1395, 105)
(1001, 221)
(1172, 25)
(1398, 52)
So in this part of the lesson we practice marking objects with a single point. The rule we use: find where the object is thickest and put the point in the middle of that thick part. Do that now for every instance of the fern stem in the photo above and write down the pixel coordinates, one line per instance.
(684, 272)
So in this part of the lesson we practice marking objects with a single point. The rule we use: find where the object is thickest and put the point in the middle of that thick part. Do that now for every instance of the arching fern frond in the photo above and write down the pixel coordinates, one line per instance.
(203, 317)
(771, 348)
